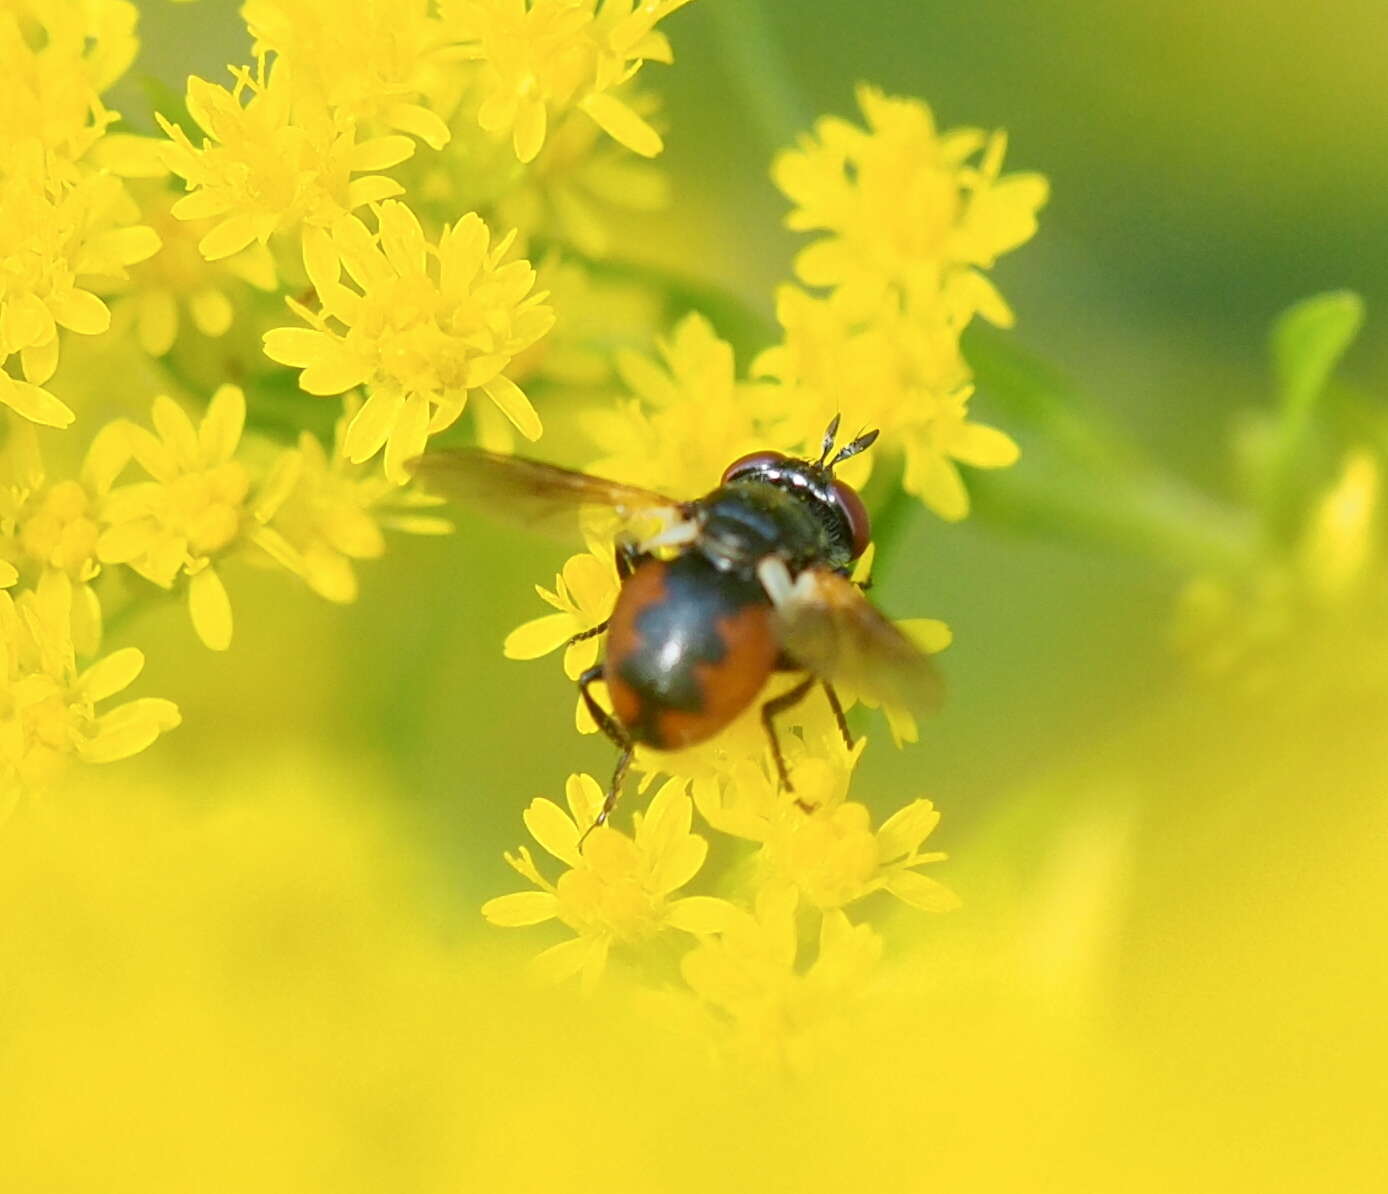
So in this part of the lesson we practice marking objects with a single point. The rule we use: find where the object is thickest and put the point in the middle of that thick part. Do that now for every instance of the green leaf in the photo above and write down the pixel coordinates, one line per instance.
(1308, 340)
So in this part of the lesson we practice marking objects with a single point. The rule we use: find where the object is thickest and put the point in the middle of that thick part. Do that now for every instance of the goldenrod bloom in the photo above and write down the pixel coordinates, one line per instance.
(331, 512)
(53, 525)
(749, 974)
(540, 58)
(583, 593)
(370, 60)
(904, 206)
(56, 59)
(690, 418)
(48, 707)
(273, 163)
(902, 373)
(194, 510)
(53, 241)
(427, 325)
(617, 889)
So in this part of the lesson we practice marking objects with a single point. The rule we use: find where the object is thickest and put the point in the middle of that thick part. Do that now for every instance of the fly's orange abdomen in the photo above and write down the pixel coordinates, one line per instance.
(688, 649)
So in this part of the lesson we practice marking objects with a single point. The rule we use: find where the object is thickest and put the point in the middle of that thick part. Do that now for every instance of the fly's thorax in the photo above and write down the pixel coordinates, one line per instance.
(744, 521)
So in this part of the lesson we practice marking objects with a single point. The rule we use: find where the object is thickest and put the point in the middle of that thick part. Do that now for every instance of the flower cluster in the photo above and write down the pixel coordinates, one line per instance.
(913, 217)
(910, 217)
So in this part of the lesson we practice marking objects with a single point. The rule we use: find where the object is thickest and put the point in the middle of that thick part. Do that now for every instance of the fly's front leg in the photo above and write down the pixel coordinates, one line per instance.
(627, 557)
(616, 732)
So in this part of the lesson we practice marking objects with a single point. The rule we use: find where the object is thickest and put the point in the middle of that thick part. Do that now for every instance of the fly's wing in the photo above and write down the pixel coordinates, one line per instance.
(828, 626)
(531, 494)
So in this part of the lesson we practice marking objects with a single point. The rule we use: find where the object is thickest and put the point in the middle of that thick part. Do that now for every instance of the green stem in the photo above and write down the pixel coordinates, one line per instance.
(758, 64)
(1151, 515)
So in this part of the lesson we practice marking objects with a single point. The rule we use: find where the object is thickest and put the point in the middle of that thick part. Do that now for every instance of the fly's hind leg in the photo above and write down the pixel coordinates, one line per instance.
(769, 711)
(840, 720)
(616, 732)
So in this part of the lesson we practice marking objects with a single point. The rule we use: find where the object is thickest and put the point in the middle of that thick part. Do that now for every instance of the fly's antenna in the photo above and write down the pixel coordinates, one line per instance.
(831, 433)
(863, 442)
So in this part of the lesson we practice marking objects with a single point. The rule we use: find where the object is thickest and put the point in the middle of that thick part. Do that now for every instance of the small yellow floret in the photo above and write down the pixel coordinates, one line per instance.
(426, 325)
(617, 889)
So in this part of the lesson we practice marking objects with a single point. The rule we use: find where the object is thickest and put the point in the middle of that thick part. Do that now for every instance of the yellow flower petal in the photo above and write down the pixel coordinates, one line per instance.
(513, 403)
(906, 829)
(521, 908)
(553, 830)
(983, 447)
(921, 892)
(701, 914)
(34, 403)
(210, 608)
(82, 312)
(111, 675)
(622, 124)
(539, 637)
(371, 425)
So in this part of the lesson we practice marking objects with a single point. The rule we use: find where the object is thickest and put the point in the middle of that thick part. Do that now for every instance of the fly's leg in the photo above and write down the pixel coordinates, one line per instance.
(838, 713)
(769, 711)
(627, 558)
(614, 730)
(591, 632)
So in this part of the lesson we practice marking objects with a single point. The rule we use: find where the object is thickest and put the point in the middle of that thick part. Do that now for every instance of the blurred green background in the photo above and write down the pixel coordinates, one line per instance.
(1210, 164)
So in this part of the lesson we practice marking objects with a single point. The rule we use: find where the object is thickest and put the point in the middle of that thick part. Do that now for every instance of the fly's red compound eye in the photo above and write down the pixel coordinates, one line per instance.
(752, 462)
(859, 525)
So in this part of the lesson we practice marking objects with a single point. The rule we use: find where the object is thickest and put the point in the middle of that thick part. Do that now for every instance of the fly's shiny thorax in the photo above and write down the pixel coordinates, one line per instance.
(742, 522)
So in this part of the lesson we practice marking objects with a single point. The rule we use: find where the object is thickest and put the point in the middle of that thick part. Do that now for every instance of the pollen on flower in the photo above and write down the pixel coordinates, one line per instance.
(426, 326)
(274, 158)
(617, 889)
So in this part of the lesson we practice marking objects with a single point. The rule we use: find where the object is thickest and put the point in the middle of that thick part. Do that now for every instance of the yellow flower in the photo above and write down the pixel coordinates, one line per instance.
(53, 241)
(369, 59)
(904, 207)
(540, 58)
(194, 511)
(56, 59)
(331, 512)
(617, 888)
(584, 592)
(274, 163)
(818, 841)
(178, 276)
(748, 974)
(427, 326)
(48, 707)
(691, 417)
(53, 525)
(901, 373)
